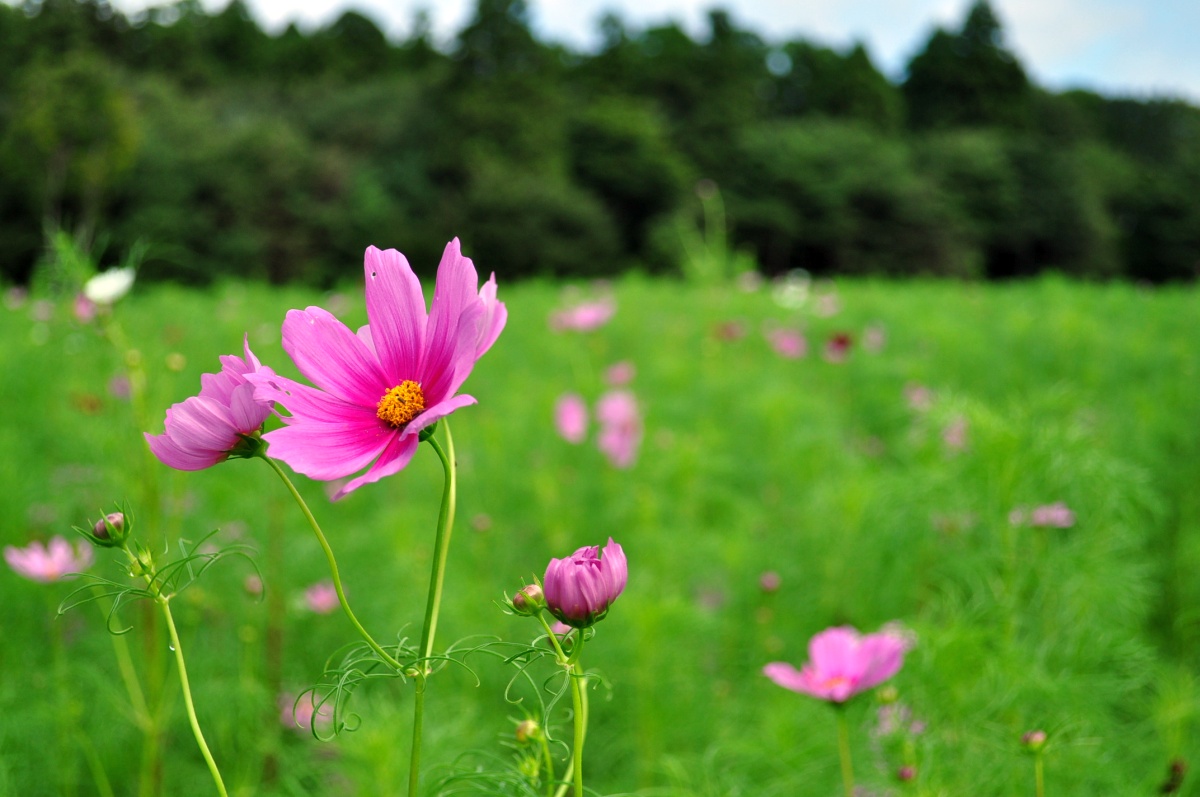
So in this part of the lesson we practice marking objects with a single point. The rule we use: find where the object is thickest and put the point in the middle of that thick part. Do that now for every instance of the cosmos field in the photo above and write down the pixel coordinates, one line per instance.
(1008, 474)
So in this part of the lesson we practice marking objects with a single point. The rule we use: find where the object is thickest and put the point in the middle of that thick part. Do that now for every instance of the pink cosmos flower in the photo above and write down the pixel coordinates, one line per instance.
(580, 588)
(51, 562)
(874, 338)
(787, 343)
(919, 397)
(571, 417)
(955, 434)
(84, 309)
(204, 430)
(620, 427)
(842, 664)
(584, 317)
(620, 373)
(321, 597)
(1055, 515)
(378, 389)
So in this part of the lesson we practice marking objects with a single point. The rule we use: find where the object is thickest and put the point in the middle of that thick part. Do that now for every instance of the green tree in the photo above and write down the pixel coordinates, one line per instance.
(968, 78)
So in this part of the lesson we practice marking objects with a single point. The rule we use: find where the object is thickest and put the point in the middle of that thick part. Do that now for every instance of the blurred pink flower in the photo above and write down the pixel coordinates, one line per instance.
(827, 302)
(298, 713)
(47, 563)
(206, 429)
(378, 389)
(788, 343)
(1055, 515)
(955, 433)
(620, 374)
(571, 417)
(874, 338)
(42, 310)
(769, 581)
(919, 397)
(561, 629)
(841, 664)
(584, 317)
(321, 597)
(84, 309)
(620, 427)
(580, 588)
(119, 387)
(837, 348)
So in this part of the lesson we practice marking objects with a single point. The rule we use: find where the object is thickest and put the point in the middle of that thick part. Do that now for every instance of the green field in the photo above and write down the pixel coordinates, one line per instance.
(821, 472)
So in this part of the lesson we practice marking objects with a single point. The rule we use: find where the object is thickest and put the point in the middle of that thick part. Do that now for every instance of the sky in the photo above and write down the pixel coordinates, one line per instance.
(1117, 47)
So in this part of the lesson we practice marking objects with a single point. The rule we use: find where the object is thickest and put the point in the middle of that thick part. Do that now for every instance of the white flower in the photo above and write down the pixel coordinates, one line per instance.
(110, 286)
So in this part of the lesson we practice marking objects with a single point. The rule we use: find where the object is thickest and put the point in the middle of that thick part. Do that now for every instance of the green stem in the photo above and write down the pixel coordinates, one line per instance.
(844, 749)
(578, 701)
(333, 567)
(578, 685)
(1039, 775)
(187, 698)
(549, 759)
(433, 604)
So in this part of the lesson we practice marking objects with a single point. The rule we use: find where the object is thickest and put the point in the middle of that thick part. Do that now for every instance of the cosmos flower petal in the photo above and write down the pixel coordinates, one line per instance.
(202, 424)
(308, 403)
(455, 318)
(494, 318)
(786, 676)
(435, 413)
(332, 357)
(171, 454)
(833, 650)
(328, 450)
(396, 308)
(393, 460)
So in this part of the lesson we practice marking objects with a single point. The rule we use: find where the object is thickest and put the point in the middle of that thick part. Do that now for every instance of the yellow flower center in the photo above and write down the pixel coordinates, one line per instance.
(401, 404)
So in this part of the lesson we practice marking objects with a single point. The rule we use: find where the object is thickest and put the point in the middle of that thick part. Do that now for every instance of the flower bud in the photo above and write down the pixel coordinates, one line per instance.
(580, 588)
(109, 531)
(528, 731)
(1034, 741)
(529, 600)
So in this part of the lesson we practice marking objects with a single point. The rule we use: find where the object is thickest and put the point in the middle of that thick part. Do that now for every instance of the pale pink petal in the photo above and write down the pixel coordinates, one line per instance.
(786, 676)
(173, 456)
(396, 309)
(571, 417)
(201, 423)
(884, 653)
(332, 357)
(393, 460)
(833, 652)
(246, 413)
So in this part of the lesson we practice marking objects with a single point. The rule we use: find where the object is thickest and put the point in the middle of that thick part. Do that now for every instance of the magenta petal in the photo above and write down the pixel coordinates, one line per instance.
(494, 319)
(435, 413)
(309, 403)
(246, 413)
(396, 308)
(448, 338)
(332, 357)
(392, 460)
(200, 423)
(328, 450)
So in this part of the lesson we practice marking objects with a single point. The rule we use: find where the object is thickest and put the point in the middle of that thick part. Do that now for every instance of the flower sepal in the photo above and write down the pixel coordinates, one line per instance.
(110, 531)
(425, 434)
(250, 446)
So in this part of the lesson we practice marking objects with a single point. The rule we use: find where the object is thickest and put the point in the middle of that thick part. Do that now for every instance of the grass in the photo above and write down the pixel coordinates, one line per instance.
(820, 472)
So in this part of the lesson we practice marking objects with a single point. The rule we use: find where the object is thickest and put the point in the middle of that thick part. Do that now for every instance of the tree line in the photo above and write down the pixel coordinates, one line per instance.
(229, 151)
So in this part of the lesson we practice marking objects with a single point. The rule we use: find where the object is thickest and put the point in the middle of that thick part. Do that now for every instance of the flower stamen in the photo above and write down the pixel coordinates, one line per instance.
(401, 404)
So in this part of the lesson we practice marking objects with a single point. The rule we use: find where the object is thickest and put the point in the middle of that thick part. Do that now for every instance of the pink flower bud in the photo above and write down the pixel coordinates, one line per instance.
(529, 600)
(580, 588)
